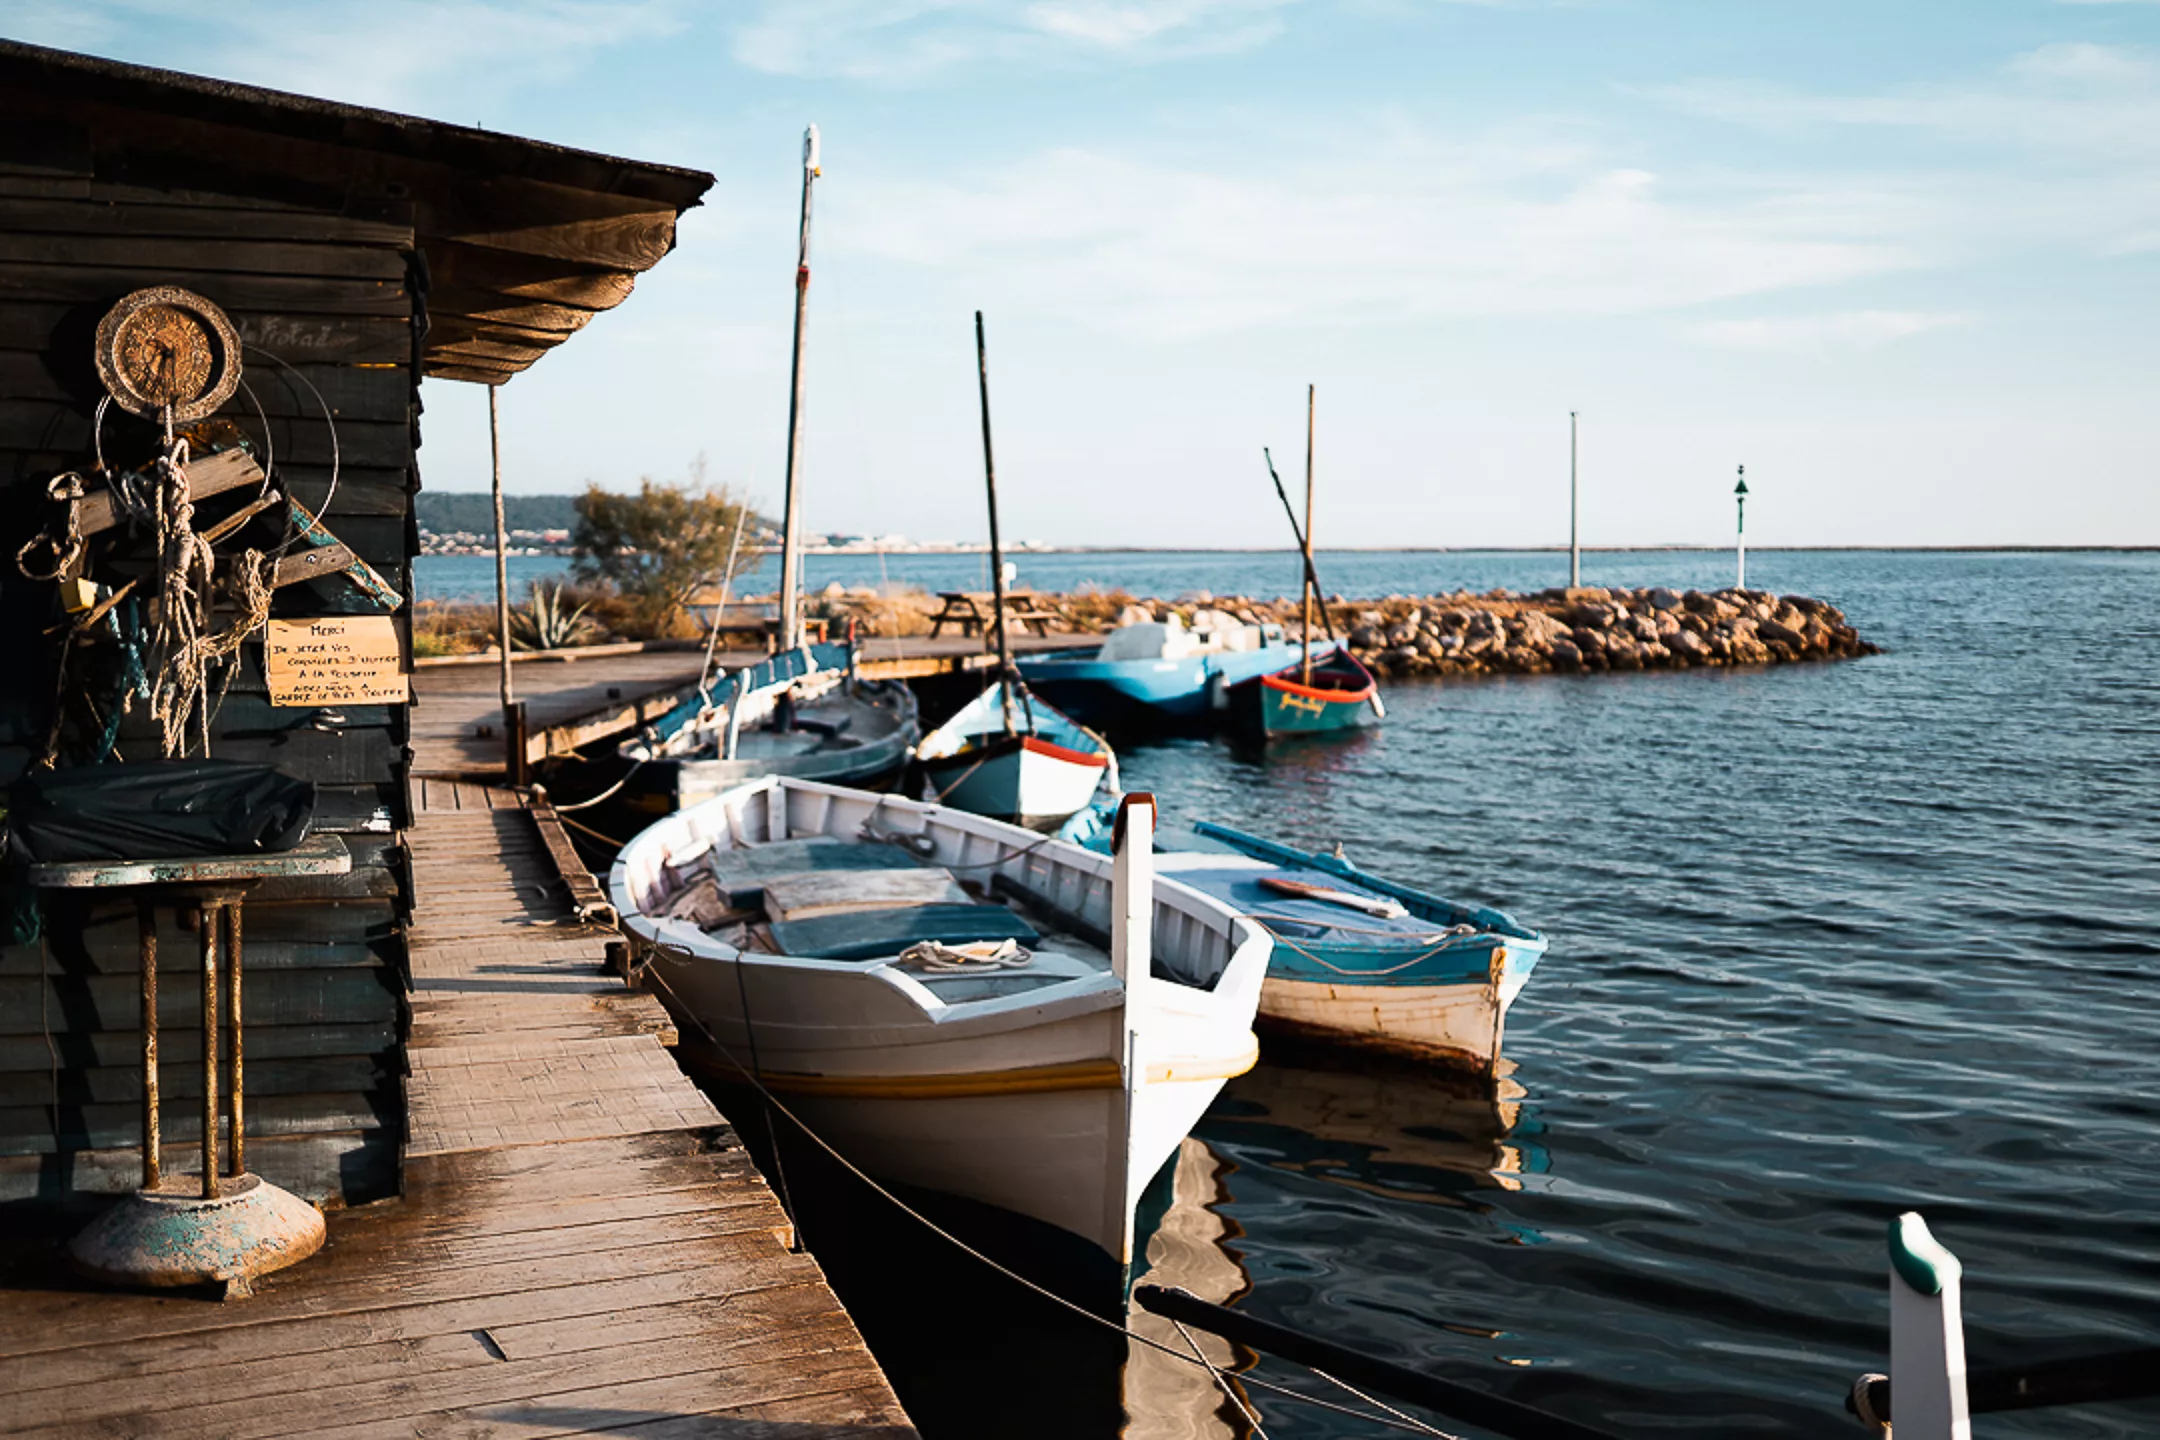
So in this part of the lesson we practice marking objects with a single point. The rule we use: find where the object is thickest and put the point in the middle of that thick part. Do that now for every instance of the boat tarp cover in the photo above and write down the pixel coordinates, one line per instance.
(157, 810)
(874, 934)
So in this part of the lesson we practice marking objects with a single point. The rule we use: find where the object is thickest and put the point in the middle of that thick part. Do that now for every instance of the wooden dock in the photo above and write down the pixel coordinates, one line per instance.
(572, 703)
(582, 1246)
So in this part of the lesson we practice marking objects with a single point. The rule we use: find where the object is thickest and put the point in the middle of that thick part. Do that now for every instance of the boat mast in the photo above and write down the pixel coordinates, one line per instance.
(1312, 588)
(997, 552)
(791, 527)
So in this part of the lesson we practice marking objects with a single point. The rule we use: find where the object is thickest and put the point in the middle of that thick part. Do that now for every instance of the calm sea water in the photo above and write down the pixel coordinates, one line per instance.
(1173, 573)
(1828, 943)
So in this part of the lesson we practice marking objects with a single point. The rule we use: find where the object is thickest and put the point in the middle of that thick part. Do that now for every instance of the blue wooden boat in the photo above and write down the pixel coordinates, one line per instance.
(1159, 673)
(1038, 772)
(1336, 693)
(1358, 959)
(801, 714)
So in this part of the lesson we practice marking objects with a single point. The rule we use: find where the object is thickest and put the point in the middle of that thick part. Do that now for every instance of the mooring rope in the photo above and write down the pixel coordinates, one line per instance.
(674, 954)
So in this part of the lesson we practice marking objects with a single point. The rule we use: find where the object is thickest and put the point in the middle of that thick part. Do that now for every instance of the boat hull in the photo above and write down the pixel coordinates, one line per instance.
(1458, 1022)
(1125, 694)
(1059, 1106)
(1338, 697)
(869, 758)
(1019, 778)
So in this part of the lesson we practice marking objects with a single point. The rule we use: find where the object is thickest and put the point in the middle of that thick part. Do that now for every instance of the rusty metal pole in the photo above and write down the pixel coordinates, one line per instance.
(146, 923)
(232, 1006)
(206, 923)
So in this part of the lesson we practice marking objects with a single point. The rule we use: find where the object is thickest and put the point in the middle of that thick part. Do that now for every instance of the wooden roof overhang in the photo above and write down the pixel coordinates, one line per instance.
(524, 241)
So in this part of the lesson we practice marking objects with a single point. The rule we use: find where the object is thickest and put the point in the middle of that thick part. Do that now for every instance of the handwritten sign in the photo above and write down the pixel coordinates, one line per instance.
(336, 660)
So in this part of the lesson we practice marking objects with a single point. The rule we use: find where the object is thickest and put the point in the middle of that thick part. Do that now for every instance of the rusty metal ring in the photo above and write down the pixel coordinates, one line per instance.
(168, 349)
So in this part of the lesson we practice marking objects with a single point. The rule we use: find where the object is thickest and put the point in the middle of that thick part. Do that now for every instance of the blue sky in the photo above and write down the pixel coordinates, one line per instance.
(1899, 258)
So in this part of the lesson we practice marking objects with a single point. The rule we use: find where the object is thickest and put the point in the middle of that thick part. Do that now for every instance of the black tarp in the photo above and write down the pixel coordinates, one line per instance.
(158, 809)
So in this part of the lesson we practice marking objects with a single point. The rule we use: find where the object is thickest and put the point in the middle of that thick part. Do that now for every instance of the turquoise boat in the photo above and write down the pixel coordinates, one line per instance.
(1358, 960)
(1160, 675)
(1336, 693)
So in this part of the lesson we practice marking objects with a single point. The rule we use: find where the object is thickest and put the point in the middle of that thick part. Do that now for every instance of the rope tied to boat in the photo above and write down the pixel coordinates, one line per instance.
(981, 957)
(654, 950)
(1446, 938)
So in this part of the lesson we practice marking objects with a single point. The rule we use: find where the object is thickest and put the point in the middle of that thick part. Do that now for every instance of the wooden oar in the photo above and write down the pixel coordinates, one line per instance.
(1385, 909)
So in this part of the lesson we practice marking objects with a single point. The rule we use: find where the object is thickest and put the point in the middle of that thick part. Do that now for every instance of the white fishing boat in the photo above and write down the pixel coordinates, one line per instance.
(1012, 756)
(953, 1002)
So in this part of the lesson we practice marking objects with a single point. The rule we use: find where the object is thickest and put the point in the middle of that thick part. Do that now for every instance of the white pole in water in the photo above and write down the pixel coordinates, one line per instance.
(1927, 1335)
(1132, 940)
(1740, 527)
(1574, 545)
(791, 524)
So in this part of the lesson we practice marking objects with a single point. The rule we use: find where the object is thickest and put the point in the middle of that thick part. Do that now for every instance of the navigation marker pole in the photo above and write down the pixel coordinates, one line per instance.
(1574, 546)
(1740, 529)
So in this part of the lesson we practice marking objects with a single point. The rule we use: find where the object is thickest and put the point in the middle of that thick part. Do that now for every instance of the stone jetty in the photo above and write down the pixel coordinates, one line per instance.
(1497, 633)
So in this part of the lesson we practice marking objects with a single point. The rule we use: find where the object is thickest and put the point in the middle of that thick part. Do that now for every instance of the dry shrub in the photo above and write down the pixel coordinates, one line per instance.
(451, 627)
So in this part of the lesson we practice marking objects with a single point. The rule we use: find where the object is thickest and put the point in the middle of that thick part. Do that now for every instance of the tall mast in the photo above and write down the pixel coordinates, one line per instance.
(1312, 590)
(997, 552)
(791, 527)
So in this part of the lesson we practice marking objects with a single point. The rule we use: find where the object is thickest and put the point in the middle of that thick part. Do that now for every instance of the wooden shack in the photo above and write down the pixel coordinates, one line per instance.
(356, 252)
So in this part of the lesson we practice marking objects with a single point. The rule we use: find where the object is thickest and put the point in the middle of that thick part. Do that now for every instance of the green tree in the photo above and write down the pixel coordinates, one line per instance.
(659, 547)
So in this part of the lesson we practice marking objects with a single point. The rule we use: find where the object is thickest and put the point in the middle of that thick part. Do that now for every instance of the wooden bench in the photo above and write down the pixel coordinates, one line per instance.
(970, 611)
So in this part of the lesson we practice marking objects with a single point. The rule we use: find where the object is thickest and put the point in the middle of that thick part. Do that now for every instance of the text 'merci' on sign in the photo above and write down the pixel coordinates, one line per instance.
(335, 660)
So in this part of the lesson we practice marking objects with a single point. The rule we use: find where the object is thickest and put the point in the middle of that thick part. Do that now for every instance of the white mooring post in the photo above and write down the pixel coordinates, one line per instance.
(1132, 949)
(1132, 888)
(1927, 1336)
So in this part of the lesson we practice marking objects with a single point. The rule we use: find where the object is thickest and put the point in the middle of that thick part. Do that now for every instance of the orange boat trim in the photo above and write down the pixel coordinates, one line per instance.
(1314, 692)
(1060, 752)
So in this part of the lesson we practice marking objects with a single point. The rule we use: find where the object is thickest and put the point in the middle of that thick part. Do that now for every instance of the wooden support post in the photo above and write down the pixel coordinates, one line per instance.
(146, 926)
(1927, 1335)
(502, 551)
(517, 769)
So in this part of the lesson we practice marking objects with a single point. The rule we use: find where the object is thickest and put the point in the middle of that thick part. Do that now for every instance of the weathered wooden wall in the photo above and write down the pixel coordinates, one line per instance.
(332, 305)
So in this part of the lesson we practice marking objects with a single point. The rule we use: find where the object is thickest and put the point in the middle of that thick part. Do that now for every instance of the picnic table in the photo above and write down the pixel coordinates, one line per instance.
(970, 610)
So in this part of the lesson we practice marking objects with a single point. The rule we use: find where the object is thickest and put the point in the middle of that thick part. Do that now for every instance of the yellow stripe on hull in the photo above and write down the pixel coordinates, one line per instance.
(1033, 1080)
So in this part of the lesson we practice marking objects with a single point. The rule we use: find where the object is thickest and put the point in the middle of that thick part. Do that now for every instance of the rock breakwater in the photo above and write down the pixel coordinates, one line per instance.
(1460, 634)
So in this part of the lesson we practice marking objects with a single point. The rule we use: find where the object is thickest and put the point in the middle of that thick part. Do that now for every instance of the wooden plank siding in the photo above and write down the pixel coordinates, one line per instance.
(332, 309)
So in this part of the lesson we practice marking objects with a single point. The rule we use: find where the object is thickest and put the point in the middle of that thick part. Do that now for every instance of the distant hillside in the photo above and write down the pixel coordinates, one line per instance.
(445, 512)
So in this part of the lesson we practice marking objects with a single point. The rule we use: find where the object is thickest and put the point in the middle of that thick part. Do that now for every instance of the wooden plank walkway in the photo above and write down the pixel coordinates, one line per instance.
(598, 700)
(583, 1246)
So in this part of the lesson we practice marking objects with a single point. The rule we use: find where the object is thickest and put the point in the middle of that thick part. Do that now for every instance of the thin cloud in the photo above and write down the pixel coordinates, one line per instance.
(1849, 330)
(399, 54)
(1422, 229)
(907, 41)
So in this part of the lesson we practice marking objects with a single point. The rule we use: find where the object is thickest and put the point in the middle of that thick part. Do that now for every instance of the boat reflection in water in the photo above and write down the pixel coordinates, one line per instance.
(1409, 1134)
(1167, 1398)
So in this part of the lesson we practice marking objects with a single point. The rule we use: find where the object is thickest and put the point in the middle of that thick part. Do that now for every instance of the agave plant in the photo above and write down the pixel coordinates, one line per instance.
(548, 621)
